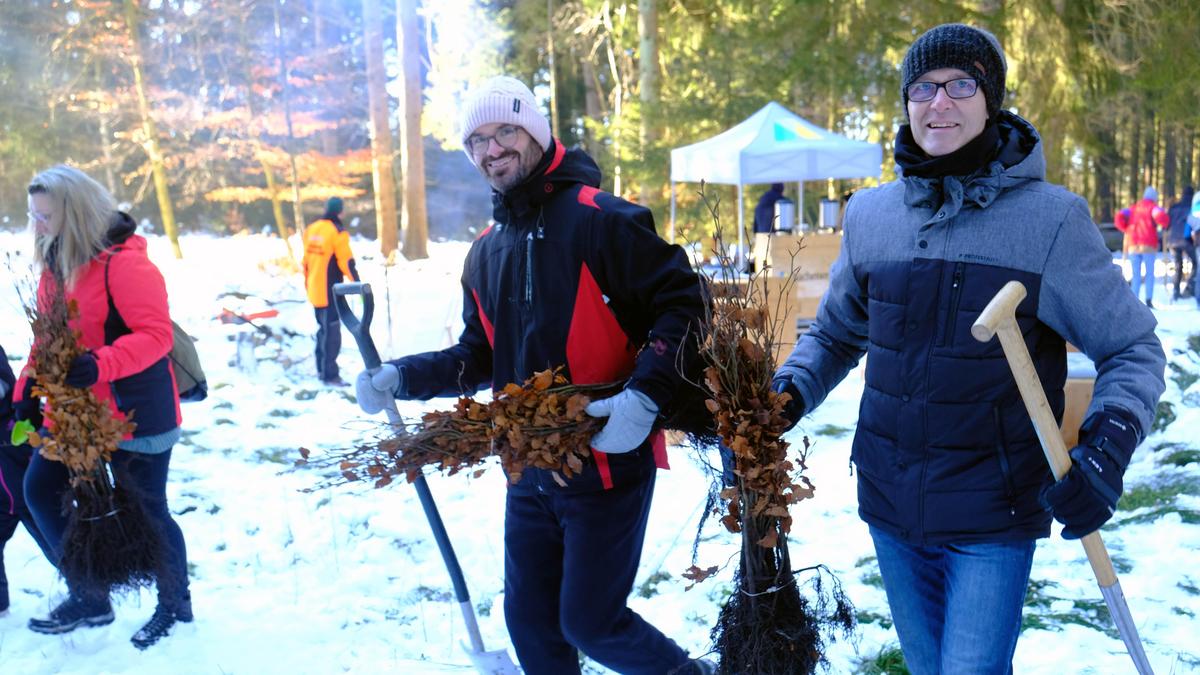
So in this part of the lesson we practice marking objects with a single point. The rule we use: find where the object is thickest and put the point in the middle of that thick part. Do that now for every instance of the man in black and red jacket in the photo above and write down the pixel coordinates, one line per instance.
(568, 276)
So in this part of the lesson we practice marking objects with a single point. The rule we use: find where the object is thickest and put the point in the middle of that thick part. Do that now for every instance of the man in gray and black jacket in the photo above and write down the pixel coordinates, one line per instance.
(952, 481)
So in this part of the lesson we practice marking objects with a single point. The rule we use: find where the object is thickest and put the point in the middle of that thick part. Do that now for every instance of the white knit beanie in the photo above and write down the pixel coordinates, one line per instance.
(503, 100)
(1150, 193)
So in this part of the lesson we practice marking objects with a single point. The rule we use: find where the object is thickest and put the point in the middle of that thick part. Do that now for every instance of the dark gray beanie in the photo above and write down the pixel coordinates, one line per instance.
(974, 51)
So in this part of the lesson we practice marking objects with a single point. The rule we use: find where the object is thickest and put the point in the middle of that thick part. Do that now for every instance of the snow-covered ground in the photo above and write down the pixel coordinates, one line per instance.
(349, 580)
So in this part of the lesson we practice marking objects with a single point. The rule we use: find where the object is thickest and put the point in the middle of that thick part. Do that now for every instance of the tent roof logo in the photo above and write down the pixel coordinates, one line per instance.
(790, 130)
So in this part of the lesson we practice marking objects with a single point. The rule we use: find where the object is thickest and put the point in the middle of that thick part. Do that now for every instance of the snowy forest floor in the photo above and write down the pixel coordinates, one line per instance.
(349, 579)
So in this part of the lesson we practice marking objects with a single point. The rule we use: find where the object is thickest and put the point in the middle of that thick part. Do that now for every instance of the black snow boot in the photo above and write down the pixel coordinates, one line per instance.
(71, 614)
(160, 625)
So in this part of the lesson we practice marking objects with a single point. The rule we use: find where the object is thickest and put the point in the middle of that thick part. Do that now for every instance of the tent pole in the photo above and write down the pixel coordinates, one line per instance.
(738, 260)
(800, 207)
(671, 231)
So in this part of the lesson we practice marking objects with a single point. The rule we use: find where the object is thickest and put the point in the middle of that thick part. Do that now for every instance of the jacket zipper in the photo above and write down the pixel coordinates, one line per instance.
(529, 239)
(1005, 469)
(955, 296)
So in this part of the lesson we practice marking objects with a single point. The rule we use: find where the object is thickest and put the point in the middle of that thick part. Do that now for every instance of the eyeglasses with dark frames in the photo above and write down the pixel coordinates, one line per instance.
(963, 87)
(506, 137)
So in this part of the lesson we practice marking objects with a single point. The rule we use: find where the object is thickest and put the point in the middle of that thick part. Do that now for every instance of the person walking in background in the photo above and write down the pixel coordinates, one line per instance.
(89, 250)
(1193, 221)
(568, 276)
(1179, 239)
(764, 212)
(952, 481)
(14, 460)
(327, 261)
(1141, 222)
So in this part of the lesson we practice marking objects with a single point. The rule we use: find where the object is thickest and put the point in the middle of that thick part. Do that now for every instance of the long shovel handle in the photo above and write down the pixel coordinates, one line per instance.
(999, 319)
(360, 328)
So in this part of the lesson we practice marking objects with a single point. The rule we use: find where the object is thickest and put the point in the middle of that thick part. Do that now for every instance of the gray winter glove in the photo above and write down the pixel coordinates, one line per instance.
(631, 416)
(376, 389)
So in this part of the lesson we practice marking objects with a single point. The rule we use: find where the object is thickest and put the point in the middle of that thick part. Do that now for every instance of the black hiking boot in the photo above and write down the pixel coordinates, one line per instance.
(71, 614)
(160, 625)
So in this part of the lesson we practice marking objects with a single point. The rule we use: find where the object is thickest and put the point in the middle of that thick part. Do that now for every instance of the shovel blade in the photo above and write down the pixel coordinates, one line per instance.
(1114, 597)
(495, 662)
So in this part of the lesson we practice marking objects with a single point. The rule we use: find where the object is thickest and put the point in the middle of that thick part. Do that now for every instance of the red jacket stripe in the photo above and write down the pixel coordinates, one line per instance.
(587, 196)
(560, 151)
(487, 325)
(598, 350)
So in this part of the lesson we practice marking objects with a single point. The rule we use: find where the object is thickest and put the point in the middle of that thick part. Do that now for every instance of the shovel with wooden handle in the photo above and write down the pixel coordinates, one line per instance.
(496, 662)
(999, 318)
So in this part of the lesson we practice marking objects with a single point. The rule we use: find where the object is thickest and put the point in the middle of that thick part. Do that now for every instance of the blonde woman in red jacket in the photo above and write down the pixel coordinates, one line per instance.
(83, 244)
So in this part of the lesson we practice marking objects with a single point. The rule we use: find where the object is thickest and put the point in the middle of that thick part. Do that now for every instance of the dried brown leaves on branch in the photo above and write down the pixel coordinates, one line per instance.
(766, 626)
(539, 424)
(86, 432)
(109, 544)
(741, 348)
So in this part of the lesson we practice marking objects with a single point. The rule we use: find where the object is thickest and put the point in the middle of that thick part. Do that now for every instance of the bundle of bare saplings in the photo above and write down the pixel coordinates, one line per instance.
(538, 424)
(767, 626)
(109, 543)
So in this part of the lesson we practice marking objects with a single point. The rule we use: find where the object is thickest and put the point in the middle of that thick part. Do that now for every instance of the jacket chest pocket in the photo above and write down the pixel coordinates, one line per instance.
(953, 304)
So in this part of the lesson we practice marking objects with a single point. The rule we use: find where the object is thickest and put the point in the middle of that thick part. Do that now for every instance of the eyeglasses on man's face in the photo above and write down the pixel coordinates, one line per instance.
(964, 87)
(39, 217)
(506, 137)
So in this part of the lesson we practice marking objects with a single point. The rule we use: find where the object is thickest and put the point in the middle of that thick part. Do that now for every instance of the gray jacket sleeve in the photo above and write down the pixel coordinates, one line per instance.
(838, 337)
(1085, 299)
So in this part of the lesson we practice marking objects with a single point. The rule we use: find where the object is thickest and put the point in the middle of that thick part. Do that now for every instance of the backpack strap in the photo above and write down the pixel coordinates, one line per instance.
(114, 325)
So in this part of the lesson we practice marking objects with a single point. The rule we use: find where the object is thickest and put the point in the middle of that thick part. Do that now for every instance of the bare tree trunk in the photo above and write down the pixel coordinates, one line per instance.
(1170, 162)
(1185, 157)
(150, 131)
(268, 172)
(618, 95)
(297, 206)
(553, 73)
(591, 102)
(413, 217)
(1135, 147)
(382, 177)
(1107, 162)
(328, 136)
(648, 83)
(110, 180)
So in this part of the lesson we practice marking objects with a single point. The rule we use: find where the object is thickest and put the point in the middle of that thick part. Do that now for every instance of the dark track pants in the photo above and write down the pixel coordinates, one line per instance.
(146, 475)
(569, 566)
(329, 341)
(13, 463)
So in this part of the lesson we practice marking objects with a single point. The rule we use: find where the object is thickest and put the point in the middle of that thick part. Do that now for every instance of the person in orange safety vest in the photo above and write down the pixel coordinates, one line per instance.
(327, 261)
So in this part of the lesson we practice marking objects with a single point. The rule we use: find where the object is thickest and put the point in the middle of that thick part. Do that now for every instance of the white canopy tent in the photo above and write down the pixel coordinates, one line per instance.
(773, 145)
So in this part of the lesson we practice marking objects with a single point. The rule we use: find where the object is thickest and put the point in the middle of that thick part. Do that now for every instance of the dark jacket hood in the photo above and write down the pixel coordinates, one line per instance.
(120, 229)
(558, 170)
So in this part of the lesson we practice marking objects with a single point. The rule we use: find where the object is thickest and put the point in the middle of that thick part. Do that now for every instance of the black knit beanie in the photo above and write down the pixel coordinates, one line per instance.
(974, 51)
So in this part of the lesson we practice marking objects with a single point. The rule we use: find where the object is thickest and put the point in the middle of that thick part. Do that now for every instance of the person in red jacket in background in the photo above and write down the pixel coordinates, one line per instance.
(327, 261)
(1141, 222)
(90, 251)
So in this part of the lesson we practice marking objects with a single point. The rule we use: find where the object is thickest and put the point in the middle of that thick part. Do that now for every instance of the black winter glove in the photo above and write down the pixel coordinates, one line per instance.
(84, 371)
(794, 409)
(1087, 496)
(29, 407)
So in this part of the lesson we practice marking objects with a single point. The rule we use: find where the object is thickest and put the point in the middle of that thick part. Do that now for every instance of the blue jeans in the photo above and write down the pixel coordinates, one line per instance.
(1143, 261)
(146, 475)
(957, 607)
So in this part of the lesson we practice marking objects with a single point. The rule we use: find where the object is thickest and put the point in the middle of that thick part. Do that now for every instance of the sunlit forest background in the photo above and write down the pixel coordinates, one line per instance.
(246, 115)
